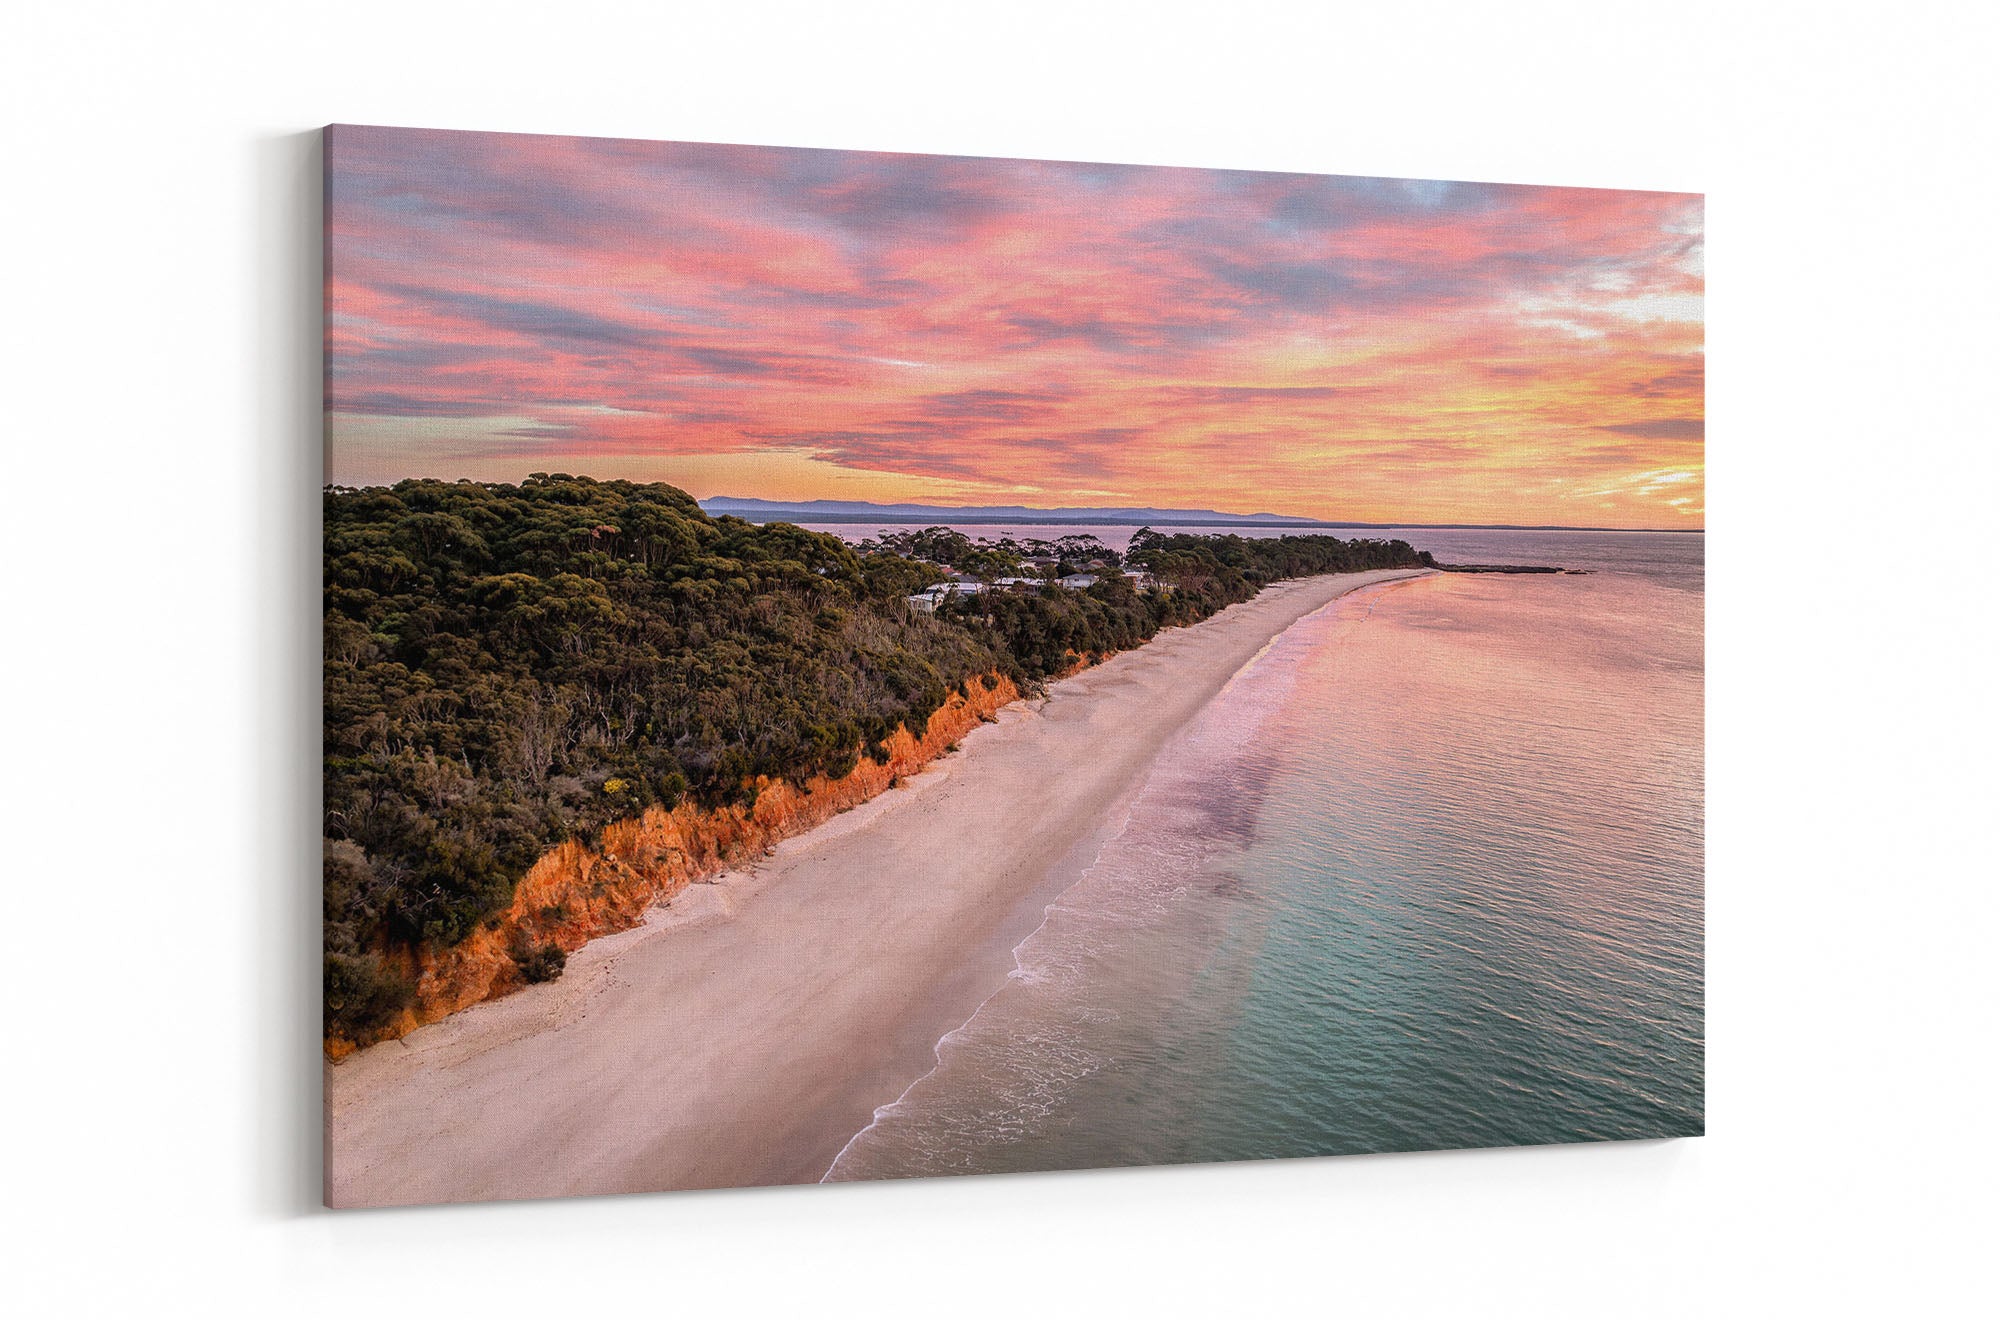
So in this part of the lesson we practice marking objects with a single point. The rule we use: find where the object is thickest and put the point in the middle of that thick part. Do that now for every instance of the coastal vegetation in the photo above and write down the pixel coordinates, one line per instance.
(1167, 580)
(510, 669)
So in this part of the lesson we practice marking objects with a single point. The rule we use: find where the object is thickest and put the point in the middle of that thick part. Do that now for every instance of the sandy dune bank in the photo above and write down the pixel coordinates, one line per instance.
(744, 1033)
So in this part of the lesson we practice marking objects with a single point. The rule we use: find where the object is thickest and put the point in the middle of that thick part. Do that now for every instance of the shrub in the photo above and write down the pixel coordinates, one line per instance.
(538, 962)
(458, 885)
(361, 995)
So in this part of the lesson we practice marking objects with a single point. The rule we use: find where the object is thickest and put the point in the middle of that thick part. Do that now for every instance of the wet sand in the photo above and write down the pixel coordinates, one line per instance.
(747, 1030)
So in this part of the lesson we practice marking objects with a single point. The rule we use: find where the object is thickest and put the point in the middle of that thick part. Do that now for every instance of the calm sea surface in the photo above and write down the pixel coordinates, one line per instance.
(1428, 874)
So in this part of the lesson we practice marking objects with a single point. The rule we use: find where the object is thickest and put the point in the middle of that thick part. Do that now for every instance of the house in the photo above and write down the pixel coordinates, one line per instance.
(931, 598)
(941, 593)
(1079, 580)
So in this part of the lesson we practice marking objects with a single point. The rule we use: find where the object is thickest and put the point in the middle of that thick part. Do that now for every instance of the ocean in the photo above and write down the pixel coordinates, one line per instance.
(1426, 874)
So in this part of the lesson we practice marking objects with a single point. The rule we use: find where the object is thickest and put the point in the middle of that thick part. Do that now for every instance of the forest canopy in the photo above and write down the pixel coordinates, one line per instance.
(508, 667)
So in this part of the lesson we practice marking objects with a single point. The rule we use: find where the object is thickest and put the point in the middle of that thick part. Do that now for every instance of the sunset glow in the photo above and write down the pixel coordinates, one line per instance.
(797, 324)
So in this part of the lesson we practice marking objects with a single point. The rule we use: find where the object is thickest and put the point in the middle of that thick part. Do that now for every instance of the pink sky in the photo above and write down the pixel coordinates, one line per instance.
(799, 324)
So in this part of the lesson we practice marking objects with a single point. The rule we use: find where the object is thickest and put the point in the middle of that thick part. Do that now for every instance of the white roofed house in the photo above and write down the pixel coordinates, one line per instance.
(931, 598)
(1078, 580)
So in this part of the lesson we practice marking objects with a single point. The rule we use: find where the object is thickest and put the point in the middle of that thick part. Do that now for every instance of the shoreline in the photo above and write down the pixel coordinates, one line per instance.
(744, 1033)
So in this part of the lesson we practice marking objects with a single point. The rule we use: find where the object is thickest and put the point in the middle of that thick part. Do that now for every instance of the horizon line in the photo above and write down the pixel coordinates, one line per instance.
(832, 511)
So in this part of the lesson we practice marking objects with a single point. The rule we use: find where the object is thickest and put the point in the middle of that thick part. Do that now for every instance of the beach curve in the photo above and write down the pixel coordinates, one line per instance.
(748, 1030)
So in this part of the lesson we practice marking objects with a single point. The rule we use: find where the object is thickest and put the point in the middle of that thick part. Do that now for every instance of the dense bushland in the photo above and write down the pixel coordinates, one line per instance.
(1190, 577)
(507, 667)
(510, 666)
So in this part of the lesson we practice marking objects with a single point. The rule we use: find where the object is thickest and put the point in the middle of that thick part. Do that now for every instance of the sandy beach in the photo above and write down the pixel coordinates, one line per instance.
(746, 1031)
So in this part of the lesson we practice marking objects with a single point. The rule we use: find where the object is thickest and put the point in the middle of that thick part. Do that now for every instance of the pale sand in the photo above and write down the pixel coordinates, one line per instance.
(744, 1033)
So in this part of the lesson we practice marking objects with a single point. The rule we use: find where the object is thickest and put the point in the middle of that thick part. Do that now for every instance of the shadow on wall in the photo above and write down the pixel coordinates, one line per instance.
(285, 347)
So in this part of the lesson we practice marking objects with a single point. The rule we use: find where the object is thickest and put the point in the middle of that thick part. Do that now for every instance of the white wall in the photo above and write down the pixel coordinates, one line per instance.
(160, 420)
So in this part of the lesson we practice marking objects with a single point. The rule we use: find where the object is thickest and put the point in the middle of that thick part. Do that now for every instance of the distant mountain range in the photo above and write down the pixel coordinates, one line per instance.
(863, 511)
(866, 511)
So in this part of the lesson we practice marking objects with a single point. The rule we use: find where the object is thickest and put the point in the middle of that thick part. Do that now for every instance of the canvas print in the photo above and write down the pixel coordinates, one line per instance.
(844, 666)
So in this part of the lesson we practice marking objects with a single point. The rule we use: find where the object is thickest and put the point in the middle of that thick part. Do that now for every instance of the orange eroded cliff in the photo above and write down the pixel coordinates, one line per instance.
(573, 895)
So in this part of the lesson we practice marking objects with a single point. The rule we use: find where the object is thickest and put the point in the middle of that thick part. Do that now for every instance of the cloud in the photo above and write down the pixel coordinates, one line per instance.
(1236, 394)
(1668, 428)
(968, 327)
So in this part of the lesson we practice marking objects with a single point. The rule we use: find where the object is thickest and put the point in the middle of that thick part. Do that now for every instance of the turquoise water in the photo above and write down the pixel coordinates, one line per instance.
(1428, 874)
